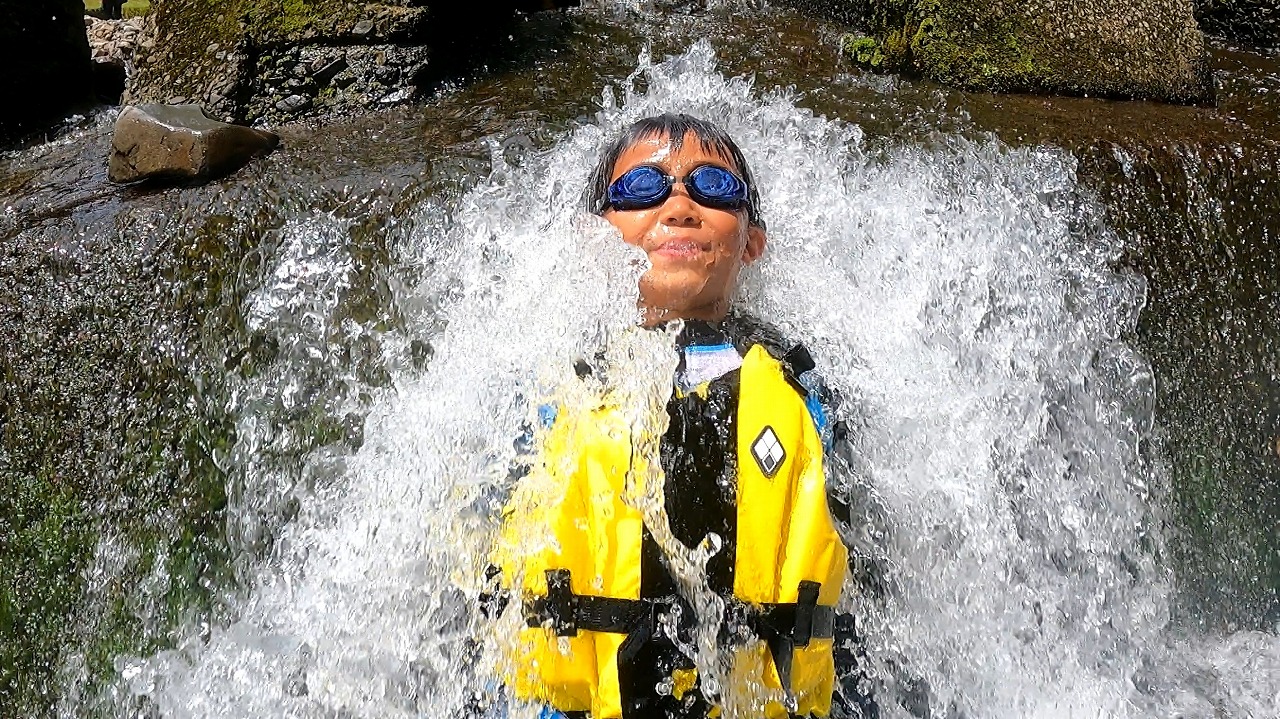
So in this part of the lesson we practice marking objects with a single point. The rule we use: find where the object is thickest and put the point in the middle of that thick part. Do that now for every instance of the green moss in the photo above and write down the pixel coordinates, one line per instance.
(44, 543)
(132, 8)
(953, 43)
(277, 20)
(205, 23)
(862, 49)
(141, 474)
(51, 529)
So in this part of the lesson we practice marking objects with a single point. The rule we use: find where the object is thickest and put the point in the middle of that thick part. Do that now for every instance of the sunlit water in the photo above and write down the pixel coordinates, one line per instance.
(959, 295)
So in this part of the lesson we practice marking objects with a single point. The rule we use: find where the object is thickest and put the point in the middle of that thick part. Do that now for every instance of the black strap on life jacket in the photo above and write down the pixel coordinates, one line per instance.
(782, 626)
(796, 362)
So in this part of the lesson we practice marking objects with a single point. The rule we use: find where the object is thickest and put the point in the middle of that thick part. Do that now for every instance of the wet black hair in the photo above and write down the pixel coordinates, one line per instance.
(675, 127)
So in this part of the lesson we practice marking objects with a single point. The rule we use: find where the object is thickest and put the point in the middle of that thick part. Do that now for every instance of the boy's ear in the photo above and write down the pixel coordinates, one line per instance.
(755, 244)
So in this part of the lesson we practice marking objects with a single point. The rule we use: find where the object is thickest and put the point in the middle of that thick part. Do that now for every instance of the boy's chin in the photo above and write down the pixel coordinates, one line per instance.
(661, 294)
(660, 308)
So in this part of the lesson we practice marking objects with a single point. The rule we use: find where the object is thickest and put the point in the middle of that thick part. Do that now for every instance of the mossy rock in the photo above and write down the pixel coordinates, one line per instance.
(207, 52)
(232, 56)
(862, 50)
(1112, 48)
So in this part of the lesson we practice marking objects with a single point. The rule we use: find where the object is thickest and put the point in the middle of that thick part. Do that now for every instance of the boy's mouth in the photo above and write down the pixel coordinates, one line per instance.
(679, 248)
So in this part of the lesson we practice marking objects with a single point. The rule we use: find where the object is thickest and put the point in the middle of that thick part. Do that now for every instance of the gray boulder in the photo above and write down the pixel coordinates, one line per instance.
(181, 144)
(45, 56)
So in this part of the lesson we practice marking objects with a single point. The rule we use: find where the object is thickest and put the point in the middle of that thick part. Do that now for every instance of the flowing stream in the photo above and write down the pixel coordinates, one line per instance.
(293, 397)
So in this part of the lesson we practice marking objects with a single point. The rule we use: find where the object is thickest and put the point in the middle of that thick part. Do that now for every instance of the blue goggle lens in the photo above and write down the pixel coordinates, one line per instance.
(640, 185)
(643, 187)
(717, 183)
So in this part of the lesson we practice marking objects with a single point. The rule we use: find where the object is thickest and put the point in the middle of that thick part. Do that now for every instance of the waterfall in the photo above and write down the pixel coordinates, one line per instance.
(964, 298)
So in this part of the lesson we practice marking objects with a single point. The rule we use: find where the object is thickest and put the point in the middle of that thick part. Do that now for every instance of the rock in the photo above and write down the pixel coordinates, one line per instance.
(1152, 49)
(244, 51)
(1256, 22)
(387, 74)
(114, 42)
(45, 55)
(293, 103)
(180, 143)
(396, 96)
(343, 79)
(325, 70)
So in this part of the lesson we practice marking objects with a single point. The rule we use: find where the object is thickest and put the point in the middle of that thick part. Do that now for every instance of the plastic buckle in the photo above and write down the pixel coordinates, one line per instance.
(806, 604)
(562, 605)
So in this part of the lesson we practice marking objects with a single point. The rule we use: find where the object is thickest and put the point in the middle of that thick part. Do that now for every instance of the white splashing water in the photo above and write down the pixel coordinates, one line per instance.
(960, 297)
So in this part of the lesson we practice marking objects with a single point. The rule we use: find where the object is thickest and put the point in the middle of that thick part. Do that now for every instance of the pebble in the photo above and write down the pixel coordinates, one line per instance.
(293, 103)
(400, 95)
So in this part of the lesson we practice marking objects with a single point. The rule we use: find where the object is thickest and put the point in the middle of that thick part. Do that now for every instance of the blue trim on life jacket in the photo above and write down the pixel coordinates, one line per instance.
(811, 382)
(702, 349)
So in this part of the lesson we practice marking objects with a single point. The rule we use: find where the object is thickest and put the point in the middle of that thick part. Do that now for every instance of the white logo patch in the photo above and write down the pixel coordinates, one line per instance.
(768, 451)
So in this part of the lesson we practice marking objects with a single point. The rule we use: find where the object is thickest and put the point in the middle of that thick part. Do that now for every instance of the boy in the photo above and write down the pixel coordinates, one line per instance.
(609, 626)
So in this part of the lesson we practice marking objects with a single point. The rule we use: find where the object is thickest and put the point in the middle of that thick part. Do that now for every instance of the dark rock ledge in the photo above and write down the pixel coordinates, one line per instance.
(275, 60)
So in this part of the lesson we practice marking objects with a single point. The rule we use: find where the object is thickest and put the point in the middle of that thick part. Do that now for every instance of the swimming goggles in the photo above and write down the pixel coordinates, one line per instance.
(647, 186)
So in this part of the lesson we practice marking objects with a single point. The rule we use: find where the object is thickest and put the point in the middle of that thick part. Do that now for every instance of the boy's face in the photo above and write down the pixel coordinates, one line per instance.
(697, 252)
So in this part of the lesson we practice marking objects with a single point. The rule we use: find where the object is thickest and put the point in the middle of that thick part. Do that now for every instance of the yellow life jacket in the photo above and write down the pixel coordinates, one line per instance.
(571, 547)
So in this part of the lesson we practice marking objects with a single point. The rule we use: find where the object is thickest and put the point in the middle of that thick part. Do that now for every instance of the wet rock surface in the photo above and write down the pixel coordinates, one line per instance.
(180, 144)
(1256, 22)
(1110, 48)
(269, 60)
(45, 56)
(297, 80)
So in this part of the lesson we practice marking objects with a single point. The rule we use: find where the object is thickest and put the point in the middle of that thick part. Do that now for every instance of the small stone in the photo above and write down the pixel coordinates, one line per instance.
(344, 79)
(397, 96)
(293, 103)
(326, 72)
(164, 142)
(364, 27)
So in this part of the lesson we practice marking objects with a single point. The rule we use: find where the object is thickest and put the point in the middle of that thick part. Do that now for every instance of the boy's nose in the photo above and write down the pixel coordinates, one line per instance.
(680, 210)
